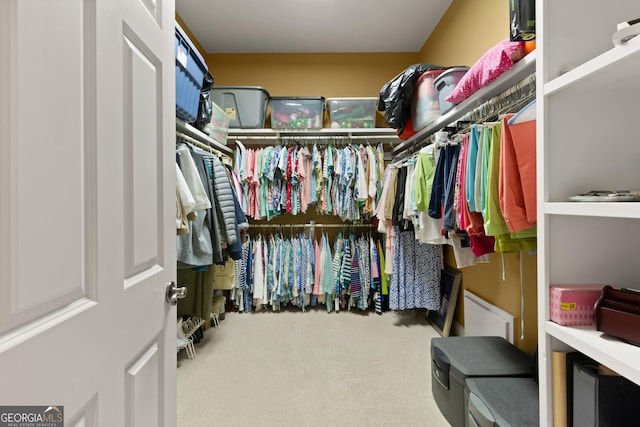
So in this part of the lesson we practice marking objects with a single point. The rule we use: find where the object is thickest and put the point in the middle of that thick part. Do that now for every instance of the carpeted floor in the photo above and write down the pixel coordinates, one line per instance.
(310, 369)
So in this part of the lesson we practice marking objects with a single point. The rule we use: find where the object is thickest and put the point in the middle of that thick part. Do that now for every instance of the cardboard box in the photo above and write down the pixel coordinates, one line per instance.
(573, 305)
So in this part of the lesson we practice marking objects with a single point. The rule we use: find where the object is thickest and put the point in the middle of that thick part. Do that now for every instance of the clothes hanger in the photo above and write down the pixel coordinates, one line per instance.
(526, 114)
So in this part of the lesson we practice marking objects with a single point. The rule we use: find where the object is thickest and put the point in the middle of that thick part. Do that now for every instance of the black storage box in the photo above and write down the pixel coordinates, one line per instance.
(454, 359)
(502, 402)
(602, 398)
(522, 14)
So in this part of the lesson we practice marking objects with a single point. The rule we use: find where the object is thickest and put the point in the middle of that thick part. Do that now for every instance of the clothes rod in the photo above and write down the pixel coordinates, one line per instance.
(201, 145)
(310, 225)
(312, 137)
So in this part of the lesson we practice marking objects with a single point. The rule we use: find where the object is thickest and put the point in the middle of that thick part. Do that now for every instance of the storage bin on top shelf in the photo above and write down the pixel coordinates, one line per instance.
(190, 71)
(444, 85)
(425, 107)
(297, 112)
(352, 113)
(246, 106)
(218, 127)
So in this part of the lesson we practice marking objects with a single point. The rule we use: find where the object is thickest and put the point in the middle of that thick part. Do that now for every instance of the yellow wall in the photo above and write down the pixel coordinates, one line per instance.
(468, 29)
(191, 36)
(311, 74)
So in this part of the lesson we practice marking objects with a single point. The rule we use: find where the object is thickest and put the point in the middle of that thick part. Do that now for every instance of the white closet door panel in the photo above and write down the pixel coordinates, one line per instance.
(48, 255)
(87, 185)
(142, 389)
(142, 154)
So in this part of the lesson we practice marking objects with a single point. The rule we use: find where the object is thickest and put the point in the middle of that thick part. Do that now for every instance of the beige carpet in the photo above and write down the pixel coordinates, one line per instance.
(310, 369)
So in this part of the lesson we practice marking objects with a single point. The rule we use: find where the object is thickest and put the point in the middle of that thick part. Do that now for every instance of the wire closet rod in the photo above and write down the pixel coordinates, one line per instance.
(310, 225)
(193, 135)
(312, 137)
(186, 138)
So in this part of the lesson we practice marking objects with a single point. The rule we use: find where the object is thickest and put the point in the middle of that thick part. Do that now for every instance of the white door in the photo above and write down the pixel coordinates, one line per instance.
(87, 208)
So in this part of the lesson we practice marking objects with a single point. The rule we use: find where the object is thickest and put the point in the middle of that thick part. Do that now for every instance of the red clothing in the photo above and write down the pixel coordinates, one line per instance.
(517, 181)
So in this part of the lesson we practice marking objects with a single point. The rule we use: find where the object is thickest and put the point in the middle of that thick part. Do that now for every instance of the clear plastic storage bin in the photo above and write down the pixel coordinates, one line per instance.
(352, 113)
(425, 107)
(296, 112)
(218, 127)
(445, 83)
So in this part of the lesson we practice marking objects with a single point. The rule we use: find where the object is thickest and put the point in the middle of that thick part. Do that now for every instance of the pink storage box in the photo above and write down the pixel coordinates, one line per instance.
(573, 305)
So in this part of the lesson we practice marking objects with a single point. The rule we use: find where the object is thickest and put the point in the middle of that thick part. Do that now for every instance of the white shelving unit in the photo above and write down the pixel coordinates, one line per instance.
(586, 141)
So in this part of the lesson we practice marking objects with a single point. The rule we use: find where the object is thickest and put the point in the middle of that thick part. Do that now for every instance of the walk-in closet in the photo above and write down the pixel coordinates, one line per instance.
(429, 214)
(298, 212)
(353, 220)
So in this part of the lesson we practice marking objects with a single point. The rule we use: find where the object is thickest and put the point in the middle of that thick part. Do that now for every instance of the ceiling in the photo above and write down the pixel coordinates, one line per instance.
(296, 26)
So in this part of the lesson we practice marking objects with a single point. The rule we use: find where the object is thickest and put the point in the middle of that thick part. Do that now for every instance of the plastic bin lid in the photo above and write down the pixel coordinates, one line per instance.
(456, 69)
(432, 73)
(452, 71)
(451, 76)
(361, 98)
(298, 98)
(482, 356)
(195, 50)
(241, 88)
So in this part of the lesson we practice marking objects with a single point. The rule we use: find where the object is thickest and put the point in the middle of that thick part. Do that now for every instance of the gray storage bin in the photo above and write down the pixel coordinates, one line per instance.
(454, 359)
(445, 83)
(502, 402)
(246, 106)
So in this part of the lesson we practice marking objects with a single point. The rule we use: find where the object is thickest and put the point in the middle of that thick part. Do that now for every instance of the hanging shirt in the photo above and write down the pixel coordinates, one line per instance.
(477, 207)
(451, 165)
(425, 169)
(472, 157)
(373, 180)
(192, 178)
(437, 191)
(494, 224)
(362, 192)
(259, 284)
(510, 188)
(305, 176)
(186, 205)
(408, 211)
(316, 175)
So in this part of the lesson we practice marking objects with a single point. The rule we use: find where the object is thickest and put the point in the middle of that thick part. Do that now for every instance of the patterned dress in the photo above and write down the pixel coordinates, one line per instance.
(415, 282)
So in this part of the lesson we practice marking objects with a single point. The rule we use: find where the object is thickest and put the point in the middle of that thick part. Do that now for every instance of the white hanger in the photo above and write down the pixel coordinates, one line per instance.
(526, 114)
